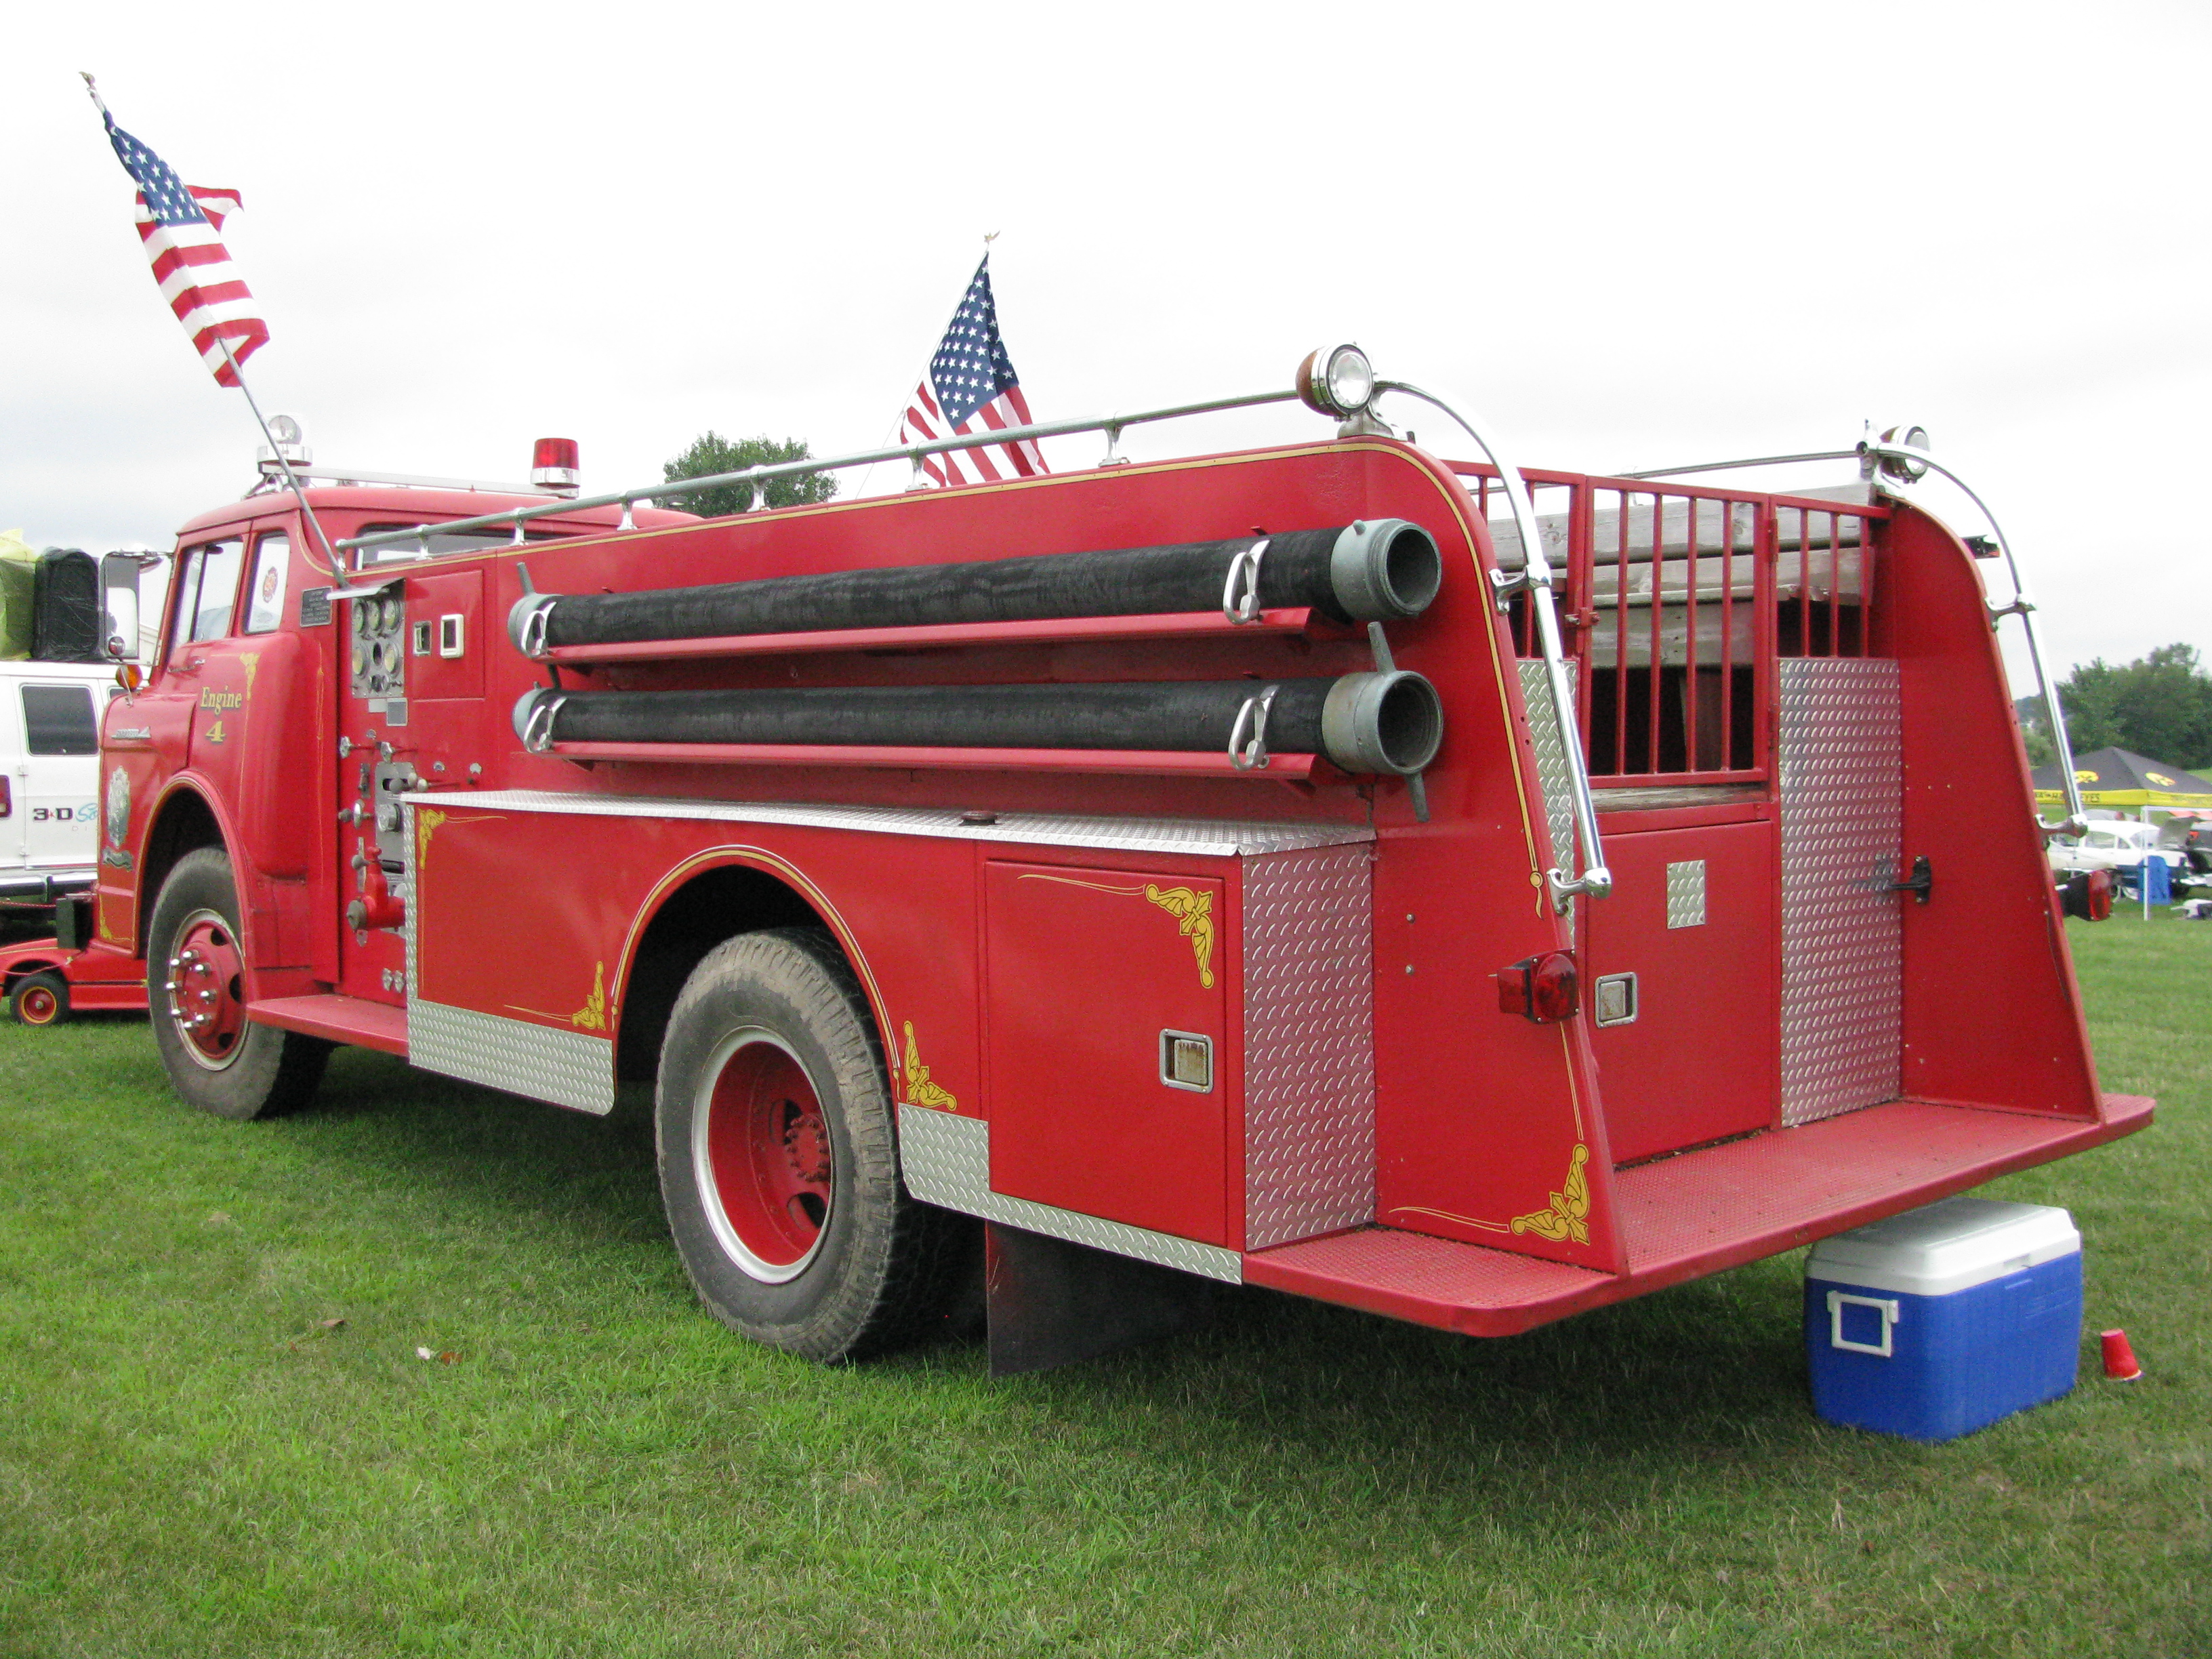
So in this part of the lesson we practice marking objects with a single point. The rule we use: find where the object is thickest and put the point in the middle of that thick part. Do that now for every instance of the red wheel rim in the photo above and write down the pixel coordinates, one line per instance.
(762, 1152)
(37, 1005)
(207, 989)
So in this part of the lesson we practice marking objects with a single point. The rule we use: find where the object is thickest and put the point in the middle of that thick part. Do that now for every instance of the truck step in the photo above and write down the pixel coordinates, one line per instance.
(339, 1019)
(1696, 1213)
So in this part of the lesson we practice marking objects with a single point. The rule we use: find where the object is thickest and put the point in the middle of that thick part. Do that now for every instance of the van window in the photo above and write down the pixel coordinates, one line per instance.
(58, 719)
(264, 600)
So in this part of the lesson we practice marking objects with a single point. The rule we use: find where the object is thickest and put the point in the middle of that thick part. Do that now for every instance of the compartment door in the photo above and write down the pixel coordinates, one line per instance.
(1088, 974)
(1688, 1055)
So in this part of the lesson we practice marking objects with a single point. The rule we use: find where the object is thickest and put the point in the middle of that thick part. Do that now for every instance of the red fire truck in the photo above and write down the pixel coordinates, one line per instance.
(1466, 894)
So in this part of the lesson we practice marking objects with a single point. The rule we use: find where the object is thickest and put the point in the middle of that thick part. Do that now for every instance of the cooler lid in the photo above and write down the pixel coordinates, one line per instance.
(1950, 1245)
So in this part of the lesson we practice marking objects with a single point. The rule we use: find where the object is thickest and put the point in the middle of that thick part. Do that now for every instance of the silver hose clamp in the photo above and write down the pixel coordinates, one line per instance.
(1248, 753)
(538, 731)
(1240, 593)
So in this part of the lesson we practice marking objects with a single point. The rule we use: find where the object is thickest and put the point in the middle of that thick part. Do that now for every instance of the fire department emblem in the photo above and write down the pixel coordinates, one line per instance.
(118, 806)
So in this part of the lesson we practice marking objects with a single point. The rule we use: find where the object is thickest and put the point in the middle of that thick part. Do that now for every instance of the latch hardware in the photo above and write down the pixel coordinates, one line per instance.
(1920, 883)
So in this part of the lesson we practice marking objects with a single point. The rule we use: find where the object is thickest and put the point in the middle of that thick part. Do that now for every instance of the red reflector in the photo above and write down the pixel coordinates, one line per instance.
(7, 797)
(1545, 989)
(2087, 896)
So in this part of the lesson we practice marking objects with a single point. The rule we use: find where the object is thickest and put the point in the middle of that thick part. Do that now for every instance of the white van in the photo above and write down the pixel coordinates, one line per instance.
(50, 777)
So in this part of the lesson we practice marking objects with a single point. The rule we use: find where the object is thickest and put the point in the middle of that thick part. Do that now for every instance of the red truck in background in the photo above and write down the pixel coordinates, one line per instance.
(1309, 866)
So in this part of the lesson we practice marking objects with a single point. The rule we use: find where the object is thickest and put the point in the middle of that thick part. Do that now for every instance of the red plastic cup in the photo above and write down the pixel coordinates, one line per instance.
(2120, 1362)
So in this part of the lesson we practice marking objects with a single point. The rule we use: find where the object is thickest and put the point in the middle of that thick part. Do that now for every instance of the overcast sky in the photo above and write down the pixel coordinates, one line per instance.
(1628, 235)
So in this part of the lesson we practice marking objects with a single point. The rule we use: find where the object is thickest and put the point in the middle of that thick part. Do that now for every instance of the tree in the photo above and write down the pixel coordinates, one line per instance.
(2160, 705)
(711, 453)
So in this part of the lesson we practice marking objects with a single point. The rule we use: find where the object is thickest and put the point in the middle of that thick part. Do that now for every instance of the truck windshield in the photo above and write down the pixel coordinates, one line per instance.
(207, 590)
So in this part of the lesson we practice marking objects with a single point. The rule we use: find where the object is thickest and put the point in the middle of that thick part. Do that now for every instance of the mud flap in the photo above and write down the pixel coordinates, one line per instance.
(1051, 1302)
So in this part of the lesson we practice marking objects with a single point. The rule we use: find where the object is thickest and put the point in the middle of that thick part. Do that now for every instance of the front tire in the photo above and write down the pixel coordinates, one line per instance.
(216, 1057)
(779, 1155)
(40, 998)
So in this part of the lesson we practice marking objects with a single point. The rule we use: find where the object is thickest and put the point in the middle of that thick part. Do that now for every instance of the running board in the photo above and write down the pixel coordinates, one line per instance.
(336, 1018)
(1682, 1217)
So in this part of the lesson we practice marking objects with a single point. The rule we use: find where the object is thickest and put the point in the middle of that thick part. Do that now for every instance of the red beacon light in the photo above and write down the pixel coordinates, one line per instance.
(553, 465)
(1542, 989)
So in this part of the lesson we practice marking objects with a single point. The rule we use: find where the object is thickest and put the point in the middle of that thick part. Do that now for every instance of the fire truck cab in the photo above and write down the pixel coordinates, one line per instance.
(1311, 866)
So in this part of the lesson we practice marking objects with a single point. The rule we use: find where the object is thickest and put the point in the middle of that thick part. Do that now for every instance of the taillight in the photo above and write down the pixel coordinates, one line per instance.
(7, 797)
(1545, 989)
(553, 465)
(2088, 896)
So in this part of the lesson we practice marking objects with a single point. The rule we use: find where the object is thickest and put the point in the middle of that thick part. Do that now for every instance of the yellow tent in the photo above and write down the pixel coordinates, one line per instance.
(2119, 778)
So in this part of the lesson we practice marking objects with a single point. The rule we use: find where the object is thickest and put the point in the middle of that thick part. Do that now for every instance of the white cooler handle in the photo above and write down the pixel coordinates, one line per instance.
(1885, 1307)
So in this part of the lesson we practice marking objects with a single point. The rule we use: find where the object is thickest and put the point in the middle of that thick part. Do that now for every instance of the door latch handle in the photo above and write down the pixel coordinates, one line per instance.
(1920, 883)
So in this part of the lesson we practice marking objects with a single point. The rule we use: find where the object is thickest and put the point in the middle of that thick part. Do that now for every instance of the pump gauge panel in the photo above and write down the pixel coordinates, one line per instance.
(378, 651)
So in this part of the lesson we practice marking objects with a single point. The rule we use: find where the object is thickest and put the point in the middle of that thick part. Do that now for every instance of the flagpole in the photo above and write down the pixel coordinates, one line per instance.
(330, 558)
(238, 379)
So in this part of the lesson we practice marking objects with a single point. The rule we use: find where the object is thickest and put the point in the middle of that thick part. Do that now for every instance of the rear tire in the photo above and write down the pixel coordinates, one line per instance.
(40, 998)
(778, 1155)
(217, 1059)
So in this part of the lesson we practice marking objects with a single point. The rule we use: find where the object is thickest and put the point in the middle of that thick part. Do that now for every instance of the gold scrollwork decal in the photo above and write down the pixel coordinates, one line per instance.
(1192, 909)
(1194, 915)
(426, 820)
(920, 1090)
(1568, 1216)
(592, 1016)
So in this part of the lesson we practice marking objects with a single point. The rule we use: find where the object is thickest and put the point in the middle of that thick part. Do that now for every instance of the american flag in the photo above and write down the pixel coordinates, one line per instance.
(970, 387)
(182, 228)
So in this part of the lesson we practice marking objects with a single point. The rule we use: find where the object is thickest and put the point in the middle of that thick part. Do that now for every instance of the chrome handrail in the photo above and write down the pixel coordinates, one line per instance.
(626, 499)
(2077, 819)
(1534, 578)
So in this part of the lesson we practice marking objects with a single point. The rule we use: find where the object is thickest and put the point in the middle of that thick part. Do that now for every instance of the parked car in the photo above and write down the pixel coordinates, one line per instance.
(2189, 833)
(2120, 846)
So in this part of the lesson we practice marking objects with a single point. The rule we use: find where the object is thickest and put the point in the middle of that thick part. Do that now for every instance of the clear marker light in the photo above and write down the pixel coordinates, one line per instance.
(1336, 381)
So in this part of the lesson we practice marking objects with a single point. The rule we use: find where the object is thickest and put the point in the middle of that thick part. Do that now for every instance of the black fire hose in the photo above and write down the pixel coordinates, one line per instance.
(1364, 723)
(1378, 571)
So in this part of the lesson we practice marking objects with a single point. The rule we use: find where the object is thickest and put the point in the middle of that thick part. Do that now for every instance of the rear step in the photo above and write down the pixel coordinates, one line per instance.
(1694, 1214)
(339, 1019)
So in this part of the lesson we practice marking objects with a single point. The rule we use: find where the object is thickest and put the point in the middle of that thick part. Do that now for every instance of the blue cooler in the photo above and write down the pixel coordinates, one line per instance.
(1939, 1321)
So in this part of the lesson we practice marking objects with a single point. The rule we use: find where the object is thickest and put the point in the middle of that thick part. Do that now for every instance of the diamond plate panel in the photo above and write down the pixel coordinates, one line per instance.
(946, 1160)
(1842, 828)
(1309, 1044)
(1550, 762)
(566, 1067)
(1204, 837)
(407, 918)
(1686, 894)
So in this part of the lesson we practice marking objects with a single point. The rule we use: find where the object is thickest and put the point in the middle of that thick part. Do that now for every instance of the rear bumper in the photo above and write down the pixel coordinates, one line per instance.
(42, 887)
(1683, 1217)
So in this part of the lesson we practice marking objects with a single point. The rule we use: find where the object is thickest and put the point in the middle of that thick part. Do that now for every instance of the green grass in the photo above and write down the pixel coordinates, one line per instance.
(192, 1464)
